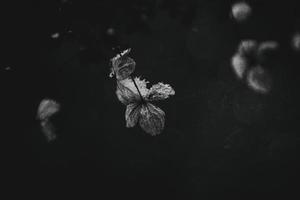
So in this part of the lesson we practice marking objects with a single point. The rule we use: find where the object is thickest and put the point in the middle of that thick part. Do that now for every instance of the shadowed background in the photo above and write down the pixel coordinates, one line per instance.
(221, 138)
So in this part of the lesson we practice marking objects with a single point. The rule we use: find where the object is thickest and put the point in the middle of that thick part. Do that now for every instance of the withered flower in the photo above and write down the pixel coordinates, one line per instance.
(137, 97)
(133, 93)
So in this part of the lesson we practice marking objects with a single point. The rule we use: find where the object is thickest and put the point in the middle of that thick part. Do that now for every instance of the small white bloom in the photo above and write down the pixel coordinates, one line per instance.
(55, 35)
(110, 31)
(241, 11)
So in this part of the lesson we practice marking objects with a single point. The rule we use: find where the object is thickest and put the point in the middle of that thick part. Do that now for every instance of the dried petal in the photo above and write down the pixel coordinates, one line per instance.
(122, 65)
(132, 114)
(295, 42)
(126, 68)
(48, 130)
(241, 11)
(247, 47)
(160, 91)
(47, 108)
(141, 84)
(152, 119)
(239, 64)
(267, 46)
(125, 93)
(259, 80)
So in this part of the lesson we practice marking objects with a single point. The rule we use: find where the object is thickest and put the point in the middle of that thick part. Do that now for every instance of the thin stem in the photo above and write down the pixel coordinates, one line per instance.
(137, 89)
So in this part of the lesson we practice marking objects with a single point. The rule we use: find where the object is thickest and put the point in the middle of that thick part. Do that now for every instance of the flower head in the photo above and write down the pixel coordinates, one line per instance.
(137, 97)
(251, 53)
(249, 62)
(241, 11)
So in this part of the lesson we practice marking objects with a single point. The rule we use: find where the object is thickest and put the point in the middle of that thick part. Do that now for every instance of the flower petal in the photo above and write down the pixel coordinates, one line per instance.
(125, 93)
(152, 119)
(122, 65)
(47, 108)
(160, 91)
(48, 130)
(247, 47)
(239, 64)
(295, 42)
(125, 68)
(259, 80)
(141, 84)
(132, 114)
(267, 47)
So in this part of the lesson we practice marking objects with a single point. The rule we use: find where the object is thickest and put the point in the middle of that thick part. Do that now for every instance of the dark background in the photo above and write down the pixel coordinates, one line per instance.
(221, 139)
